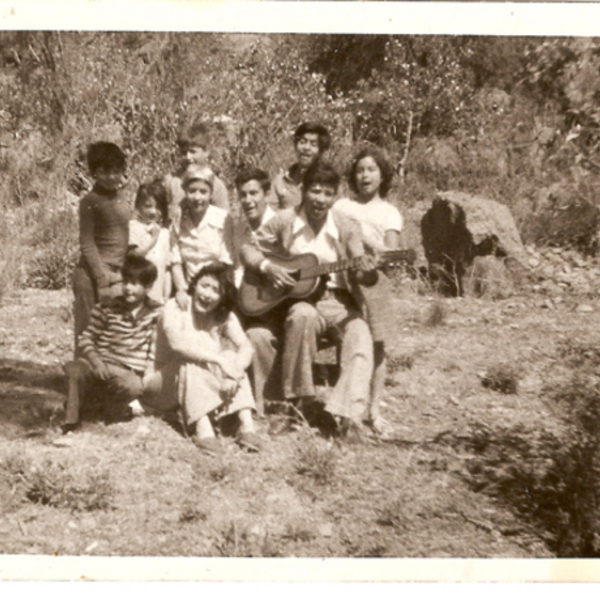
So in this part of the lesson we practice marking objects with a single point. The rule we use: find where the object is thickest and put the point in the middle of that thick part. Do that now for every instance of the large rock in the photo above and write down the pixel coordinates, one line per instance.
(459, 227)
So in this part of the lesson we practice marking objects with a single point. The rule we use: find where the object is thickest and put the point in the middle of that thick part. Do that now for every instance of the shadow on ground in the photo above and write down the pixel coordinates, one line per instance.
(31, 398)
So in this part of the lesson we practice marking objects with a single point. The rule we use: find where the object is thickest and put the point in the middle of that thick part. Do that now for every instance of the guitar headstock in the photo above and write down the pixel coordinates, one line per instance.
(398, 258)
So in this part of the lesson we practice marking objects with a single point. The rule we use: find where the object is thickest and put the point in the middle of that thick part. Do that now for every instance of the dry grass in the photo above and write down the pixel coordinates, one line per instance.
(301, 496)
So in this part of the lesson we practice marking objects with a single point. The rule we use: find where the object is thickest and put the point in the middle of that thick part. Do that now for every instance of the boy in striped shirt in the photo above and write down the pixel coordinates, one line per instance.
(117, 347)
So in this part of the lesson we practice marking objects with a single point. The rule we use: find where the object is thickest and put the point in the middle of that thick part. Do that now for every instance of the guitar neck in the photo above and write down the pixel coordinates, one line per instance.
(349, 263)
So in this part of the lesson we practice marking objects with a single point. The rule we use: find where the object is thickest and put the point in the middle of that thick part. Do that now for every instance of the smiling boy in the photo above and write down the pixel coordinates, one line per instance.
(334, 309)
(311, 140)
(194, 149)
(117, 346)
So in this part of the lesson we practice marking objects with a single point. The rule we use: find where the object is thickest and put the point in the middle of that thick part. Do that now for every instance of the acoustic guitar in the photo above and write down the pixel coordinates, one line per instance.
(257, 295)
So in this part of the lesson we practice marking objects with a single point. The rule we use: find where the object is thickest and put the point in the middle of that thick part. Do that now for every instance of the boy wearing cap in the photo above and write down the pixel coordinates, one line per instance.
(203, 233)
(311, 141)
(194, 148)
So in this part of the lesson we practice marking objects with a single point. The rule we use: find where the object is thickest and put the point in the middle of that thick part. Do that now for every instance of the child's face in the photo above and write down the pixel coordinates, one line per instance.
(207, 294)
(148, 211)
(134, 293)
(307, 149)
(109, 179)
(368, 176)
(194, 155)
(198, 194)
(252, 198)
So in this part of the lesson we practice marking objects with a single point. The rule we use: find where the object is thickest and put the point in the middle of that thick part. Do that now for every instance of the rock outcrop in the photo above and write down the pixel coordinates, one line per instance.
(460, 227)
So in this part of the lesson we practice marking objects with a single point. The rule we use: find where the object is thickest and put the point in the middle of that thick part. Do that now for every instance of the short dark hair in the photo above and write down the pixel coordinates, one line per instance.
(323, 173)
(196, 134)
(251, 174)
(385, 168)
(224, 275)
(105, 155)
(155, 189)
(320, 130)
(138, 268)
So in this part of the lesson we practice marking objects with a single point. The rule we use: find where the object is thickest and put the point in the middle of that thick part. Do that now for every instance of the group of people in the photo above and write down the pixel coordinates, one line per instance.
(158, 324)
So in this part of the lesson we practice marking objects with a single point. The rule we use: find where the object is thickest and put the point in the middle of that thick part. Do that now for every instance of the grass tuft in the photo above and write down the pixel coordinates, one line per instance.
(317, 462)
(502, 378)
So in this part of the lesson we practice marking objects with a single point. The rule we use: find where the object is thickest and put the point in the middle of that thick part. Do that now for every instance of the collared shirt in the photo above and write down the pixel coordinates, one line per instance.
(195, 246)
(323, 244)
(120, 337)
(285, 192)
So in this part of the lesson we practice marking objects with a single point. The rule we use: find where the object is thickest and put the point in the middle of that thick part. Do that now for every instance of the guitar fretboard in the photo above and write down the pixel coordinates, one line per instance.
(348, 263)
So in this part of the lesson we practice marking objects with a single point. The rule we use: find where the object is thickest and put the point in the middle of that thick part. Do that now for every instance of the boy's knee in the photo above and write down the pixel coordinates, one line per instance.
(126, 386)
(302, 313)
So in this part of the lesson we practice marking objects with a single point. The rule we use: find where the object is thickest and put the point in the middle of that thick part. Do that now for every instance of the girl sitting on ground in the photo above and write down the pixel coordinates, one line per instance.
(149, 235)
(203, 354)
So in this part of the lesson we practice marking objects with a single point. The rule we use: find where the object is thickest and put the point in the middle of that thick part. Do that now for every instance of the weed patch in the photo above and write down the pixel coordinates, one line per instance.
(436, 315)
(317, 461)
(502, 378)
(52, 484)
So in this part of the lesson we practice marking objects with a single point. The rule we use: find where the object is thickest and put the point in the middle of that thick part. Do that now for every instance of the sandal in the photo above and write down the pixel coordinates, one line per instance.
(248, 441)
(208, 445)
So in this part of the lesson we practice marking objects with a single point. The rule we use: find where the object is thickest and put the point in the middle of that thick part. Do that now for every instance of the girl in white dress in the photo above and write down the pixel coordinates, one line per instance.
(202, 356)
(149, 235)
(370, 179)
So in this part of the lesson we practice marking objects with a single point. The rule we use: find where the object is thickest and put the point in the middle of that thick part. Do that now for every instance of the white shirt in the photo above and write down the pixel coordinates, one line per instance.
(323, 244)
(203, 244)
(159, 254)
(375, 217)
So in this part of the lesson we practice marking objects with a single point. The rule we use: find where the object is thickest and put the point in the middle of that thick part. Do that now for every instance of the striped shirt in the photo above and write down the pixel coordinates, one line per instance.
(120, 338)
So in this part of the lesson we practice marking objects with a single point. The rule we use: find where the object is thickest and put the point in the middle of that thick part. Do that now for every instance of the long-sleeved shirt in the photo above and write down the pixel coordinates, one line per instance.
(121, 338)
(103, 233)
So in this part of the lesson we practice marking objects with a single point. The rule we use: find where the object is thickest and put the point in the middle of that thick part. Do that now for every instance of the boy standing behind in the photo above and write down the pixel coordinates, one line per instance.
(103, 233)
(117, 347)
(194, 148)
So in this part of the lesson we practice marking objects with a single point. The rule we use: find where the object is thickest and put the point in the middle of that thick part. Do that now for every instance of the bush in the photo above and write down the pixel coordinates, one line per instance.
(502, 378)
(53, 484)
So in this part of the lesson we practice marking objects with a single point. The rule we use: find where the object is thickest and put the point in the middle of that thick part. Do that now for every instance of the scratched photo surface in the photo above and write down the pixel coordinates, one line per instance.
(478, 437)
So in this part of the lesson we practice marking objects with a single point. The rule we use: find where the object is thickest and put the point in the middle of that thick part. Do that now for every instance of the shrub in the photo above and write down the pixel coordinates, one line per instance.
(502, 378)
(317, 461)
(53, 484)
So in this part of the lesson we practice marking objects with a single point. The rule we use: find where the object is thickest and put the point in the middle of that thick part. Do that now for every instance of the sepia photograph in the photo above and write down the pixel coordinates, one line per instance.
(317, 292)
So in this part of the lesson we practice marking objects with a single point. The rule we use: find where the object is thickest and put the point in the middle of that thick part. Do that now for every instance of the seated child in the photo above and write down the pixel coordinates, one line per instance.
(117, 347)
(149, 235)
(194, 149)
(202, 355)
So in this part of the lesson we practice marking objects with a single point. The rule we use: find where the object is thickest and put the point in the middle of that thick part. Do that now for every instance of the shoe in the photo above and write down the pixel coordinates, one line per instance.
(350, 431)
(381, 428)
(208, 445)
(249, 441)
(137, 410)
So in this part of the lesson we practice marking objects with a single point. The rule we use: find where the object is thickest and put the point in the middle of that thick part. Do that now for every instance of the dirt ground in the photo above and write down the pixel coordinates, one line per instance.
(142, 488)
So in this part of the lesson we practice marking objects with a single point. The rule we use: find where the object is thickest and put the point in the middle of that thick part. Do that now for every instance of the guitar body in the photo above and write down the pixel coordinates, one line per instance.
(257, 295)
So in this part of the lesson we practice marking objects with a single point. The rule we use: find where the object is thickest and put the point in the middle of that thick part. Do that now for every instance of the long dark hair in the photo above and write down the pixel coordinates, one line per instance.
(224, 275)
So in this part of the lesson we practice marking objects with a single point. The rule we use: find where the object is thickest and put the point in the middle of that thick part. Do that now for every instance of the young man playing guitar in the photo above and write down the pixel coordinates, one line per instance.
(333, 308)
